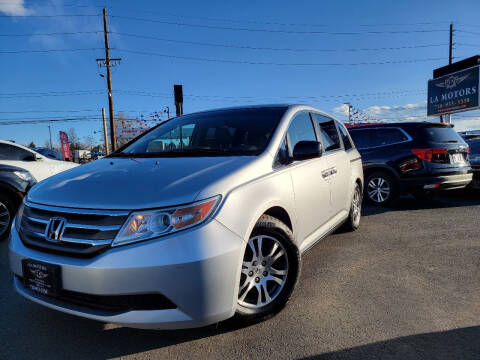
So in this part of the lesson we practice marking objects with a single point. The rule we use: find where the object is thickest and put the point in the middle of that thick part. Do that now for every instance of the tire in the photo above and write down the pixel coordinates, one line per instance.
(353, 221)
(276, 238)
(382, 180)
(7, 213)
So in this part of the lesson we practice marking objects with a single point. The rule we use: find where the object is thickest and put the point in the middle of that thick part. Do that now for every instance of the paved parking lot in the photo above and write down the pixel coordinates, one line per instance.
(406, 285)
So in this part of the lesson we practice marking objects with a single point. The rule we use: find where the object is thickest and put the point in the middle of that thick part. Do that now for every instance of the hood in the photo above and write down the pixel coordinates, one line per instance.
(140, 183)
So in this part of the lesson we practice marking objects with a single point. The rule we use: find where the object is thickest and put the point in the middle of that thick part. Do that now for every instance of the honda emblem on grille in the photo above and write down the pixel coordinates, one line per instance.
(55, 229)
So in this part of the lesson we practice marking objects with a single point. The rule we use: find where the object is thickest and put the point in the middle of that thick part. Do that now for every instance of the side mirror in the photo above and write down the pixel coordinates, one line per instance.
(305, 150)
(30, 158)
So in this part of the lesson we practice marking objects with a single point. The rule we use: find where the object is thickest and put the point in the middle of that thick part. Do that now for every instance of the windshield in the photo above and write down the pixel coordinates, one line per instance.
(213, 133)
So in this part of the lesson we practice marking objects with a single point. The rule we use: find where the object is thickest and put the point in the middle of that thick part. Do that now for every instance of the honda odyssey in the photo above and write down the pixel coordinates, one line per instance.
(202, 218)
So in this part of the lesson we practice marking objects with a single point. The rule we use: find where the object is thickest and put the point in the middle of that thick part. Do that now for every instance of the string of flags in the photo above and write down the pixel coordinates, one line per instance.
(358, 116)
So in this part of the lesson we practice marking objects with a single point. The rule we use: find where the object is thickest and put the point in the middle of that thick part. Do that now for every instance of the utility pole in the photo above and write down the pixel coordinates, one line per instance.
(450, 47)
(105, 133)
(108, 62)
(448, 117)
(50, 132)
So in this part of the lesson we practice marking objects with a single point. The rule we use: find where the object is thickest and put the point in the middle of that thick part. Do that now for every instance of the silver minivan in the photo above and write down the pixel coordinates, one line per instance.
(202, 218)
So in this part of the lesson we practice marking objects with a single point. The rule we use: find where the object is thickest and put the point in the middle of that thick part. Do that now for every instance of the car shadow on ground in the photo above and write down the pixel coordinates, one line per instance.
(460, 343)
(446, 199)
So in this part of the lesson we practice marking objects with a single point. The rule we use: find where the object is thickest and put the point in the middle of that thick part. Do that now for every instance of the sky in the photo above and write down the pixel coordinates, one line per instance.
(377, 55)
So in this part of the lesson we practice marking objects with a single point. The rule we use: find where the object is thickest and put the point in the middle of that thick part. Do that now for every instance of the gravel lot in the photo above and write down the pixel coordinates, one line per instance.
(406, 285)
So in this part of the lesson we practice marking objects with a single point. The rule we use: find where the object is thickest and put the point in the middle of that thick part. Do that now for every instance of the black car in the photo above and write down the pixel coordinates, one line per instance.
(49, 153)
(15, 182)
(474, 143)
(411, 157)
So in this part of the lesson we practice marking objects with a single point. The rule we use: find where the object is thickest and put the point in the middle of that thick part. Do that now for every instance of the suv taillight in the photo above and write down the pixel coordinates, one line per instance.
(429, 154)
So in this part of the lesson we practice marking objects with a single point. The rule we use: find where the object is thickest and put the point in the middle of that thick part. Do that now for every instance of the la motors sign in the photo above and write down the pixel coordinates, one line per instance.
(454, 92)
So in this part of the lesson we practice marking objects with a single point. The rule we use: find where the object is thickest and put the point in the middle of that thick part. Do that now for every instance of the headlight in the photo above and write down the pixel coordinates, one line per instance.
(154, 223)
(18, 219)
(24, 175)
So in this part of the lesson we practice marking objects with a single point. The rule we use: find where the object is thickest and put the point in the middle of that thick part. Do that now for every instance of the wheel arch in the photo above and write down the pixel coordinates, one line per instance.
(379, 167)
(10, 191)
(281, 214)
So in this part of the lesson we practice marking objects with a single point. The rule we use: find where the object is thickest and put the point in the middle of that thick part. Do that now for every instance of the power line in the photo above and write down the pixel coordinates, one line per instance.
(392, 93)
(46, 51)
(301, 32)
(52, 34)
(202, 18)
(69, 111)
(271, 48)
(246, 62)
(51, 93)
(48, 16)
(468, 32)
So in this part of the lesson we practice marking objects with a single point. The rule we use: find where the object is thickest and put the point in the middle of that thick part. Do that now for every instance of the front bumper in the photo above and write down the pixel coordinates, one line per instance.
(439, 182)
(198, 270)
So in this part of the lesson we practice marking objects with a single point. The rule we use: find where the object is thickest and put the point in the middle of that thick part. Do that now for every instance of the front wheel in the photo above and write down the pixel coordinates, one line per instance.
(270, 270)
(7, 213)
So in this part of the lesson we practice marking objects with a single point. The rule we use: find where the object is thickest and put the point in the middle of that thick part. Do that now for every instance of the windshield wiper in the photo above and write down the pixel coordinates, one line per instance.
(181, 153)
(208, 151)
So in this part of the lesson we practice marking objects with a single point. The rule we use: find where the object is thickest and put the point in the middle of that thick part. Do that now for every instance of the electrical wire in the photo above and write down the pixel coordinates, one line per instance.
(271, 48)
(246, 62)
(48, 16)
(46, 50)
(52, 34)
(301, 32)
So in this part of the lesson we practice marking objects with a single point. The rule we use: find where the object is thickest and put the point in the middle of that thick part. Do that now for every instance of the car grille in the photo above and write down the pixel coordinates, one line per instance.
(86, 232)
(110, 303)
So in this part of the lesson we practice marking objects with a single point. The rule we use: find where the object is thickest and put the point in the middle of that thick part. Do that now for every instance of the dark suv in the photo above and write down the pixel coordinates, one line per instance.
(414, 157)
(474, 142)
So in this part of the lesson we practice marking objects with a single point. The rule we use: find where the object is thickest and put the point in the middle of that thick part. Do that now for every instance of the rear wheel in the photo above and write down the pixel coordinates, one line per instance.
(380, 188)
(353, 221)
(270, 270)
(7, 213)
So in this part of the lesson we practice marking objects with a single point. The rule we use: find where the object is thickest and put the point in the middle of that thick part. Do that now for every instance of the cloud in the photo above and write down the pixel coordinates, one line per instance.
(377, 110)
(14, 8)
(466, 124)
(342, 109)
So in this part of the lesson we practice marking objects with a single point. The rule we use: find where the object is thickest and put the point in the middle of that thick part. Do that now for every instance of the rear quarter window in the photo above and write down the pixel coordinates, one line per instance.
(440, 134)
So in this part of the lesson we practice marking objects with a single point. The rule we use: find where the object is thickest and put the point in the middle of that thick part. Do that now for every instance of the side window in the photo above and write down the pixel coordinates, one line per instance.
(328, 132)
(301, 129)
(9, 152)
(361, 138)
(347, 143)
(382, 137)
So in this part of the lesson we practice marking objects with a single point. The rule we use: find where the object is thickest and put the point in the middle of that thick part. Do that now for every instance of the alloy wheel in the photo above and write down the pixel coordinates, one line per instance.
(357, 206)
(378, 189)
(4, 218)
(264, 272)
